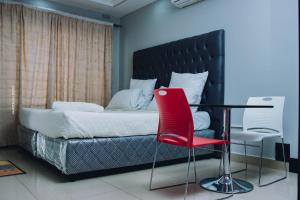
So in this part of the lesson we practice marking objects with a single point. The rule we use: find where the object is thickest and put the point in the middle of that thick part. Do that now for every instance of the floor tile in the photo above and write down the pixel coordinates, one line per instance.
(43, 182)
(11, 189)
(116, 195)
(44, 188)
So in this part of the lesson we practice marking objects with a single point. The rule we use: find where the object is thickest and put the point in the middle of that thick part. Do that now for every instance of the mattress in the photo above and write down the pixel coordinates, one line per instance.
(75, 124)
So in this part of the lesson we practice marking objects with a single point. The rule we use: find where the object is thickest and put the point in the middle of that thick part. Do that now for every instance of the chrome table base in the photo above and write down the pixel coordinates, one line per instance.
(223, 185)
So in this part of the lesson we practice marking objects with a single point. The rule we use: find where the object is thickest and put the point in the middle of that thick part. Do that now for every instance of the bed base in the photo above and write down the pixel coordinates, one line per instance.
(82, 158)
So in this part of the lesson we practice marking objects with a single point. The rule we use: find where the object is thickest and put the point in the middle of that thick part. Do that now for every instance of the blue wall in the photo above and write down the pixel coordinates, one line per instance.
(261, 48)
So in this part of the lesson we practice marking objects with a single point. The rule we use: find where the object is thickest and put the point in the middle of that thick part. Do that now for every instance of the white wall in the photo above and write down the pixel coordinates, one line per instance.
(261, 48)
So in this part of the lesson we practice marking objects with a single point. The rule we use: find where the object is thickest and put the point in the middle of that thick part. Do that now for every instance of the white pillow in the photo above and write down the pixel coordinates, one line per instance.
(192, 84)
(147, 86)
(126, 99)
(153, 105)
(76, 106)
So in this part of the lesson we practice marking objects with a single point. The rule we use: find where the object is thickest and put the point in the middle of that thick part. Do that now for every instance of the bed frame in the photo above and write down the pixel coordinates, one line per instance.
(191, 55)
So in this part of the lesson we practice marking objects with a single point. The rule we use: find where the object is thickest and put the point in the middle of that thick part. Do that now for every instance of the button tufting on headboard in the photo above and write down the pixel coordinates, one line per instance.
(196, 54)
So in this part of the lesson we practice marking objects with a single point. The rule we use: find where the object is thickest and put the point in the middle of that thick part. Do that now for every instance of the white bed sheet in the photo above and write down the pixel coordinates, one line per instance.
(109, 123)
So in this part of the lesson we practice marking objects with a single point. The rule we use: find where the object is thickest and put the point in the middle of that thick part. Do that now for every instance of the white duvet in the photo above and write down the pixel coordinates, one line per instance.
(75, 124)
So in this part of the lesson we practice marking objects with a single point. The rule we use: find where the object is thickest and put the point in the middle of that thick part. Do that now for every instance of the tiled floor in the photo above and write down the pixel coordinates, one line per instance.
(44, 183)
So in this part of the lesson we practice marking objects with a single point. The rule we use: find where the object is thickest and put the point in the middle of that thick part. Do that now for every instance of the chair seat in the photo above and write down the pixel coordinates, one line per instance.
(197, 141)
(201, 141)
(251, 136)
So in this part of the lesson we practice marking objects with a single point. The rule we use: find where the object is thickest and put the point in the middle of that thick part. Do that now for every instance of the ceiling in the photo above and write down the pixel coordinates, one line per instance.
(120, 10)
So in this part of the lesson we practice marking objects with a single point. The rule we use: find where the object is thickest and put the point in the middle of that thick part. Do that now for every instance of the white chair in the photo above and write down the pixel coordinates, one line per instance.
(259, 124)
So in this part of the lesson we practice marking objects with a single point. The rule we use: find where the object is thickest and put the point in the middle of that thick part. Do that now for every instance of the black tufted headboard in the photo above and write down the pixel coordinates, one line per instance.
(196, 54)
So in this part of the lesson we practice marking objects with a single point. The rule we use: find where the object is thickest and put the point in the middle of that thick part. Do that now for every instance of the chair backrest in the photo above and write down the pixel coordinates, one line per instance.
(175, 117)
(268, 120)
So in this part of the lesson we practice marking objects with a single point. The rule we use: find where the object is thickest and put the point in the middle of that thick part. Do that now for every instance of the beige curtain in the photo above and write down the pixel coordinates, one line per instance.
(46, 57)
(83, 67)
(9, 71)
(35, 57)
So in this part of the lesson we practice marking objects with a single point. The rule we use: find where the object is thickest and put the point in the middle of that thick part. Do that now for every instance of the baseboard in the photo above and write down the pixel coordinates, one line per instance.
(9, 147)
(255, 161)
(294, 165)
(278, 151)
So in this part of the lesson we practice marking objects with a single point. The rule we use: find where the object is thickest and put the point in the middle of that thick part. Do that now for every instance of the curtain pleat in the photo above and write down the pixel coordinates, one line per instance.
(9, 71)
(35, 51)
(83, 61)
(46, 57)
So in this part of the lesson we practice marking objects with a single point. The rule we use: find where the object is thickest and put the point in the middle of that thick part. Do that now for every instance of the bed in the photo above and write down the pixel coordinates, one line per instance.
(80, 154)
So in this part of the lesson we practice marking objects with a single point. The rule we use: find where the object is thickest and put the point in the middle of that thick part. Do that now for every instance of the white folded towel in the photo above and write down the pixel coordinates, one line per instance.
(76, 106)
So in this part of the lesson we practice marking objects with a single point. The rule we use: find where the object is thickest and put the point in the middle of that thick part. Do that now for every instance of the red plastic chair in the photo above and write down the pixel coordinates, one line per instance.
(176, 127)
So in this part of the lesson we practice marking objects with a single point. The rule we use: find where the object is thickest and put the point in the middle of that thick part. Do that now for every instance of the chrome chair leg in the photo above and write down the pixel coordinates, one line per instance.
(187, 176)
(195, 169)
(230, 174)
(245, 157)
(154, 160)
(152, 172)
(285, 167)
(284, 158)
(245, 160)
(261, 160)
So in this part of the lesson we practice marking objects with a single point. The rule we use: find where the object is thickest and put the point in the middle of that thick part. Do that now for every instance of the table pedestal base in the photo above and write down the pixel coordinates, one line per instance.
(223, 185)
